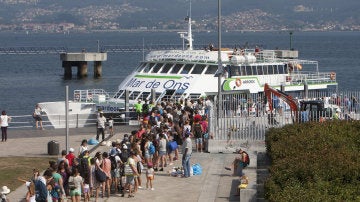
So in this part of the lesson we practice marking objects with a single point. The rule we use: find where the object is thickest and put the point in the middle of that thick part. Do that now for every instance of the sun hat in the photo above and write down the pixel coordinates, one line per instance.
(71, 150)
(5, 190)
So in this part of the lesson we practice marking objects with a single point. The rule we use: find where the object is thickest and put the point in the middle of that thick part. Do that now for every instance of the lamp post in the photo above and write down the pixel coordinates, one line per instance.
(220, 68)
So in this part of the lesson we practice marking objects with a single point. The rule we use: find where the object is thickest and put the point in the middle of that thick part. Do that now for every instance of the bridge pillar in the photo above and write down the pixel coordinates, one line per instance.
(97, 69)
(80, 60)
(67, 69)
(82, 69)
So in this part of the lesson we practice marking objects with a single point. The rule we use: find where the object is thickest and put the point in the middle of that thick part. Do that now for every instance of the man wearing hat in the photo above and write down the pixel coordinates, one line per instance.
(70, 156)
(101, 120)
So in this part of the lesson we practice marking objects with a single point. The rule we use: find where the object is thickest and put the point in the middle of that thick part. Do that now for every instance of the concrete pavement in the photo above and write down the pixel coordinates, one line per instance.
(214, 184)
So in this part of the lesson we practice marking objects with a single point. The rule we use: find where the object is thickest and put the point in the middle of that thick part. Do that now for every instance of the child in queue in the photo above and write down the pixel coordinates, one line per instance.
(150, 176)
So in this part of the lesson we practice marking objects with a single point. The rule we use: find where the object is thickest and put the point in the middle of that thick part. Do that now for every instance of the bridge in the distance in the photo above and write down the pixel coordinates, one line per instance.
(105, 49)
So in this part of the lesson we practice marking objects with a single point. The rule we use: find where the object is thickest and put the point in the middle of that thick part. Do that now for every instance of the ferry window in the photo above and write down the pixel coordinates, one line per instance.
(145, 95)
(276, 69)
(148, 67)
(211, 69)
(242, 71)
(157, 95)
(194, 96)
(157, 67)
(259, 70)
(186, 69)
(234, 71)
(265, 69)
(134, 95)
(270, 69)
(281, 69)
(286, 68)
(248, 70)
(118, 94)
(140, 67)
(166, 68)
(176, 68)
(198, 69)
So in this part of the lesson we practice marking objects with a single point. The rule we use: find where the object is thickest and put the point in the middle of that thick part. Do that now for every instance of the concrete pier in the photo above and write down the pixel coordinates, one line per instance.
(80, 60)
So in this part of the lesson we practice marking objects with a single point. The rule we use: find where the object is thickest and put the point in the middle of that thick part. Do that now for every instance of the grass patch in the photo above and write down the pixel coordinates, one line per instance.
(13, 167)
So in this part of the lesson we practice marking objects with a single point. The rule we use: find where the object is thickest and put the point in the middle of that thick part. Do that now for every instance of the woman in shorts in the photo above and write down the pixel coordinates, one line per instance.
(75, 193)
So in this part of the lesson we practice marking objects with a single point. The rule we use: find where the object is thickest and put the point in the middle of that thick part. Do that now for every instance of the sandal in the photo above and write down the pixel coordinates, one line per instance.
(130, 196)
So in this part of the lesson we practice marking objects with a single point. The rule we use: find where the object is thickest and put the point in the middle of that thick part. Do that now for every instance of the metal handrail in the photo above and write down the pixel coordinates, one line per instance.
(27, 121)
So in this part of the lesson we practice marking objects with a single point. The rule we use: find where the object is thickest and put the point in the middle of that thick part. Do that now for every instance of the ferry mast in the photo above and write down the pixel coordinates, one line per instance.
(188, 38)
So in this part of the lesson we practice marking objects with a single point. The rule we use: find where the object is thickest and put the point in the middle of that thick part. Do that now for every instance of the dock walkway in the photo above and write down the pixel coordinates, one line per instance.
(214, 184)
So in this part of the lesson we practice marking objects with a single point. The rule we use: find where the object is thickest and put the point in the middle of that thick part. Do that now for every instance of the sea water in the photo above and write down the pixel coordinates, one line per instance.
(28, 79)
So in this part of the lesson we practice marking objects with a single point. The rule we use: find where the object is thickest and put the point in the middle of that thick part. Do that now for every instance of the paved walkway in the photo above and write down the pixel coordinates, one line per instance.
(215, 183)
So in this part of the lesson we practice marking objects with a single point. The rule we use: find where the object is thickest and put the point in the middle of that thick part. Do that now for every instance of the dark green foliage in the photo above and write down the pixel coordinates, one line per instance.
(314, 162)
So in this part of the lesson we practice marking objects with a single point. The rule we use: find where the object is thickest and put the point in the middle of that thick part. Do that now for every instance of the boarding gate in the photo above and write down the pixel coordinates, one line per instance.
(240, 120)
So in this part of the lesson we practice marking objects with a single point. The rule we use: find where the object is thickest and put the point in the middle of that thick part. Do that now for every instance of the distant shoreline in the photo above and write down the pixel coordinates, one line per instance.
(165, 30)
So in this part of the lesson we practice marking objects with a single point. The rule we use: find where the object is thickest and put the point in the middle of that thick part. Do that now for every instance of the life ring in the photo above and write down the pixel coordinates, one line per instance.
(238, 82)
(332, 75)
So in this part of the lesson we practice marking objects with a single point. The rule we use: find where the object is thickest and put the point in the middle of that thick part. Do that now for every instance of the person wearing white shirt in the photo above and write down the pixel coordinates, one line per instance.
(101, 120)
(4, 122)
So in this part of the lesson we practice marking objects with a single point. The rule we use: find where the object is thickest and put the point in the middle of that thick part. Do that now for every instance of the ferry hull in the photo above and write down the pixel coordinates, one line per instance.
(80, 114)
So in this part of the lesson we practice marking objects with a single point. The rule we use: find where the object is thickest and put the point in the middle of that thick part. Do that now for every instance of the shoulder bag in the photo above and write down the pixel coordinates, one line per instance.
(100, 175)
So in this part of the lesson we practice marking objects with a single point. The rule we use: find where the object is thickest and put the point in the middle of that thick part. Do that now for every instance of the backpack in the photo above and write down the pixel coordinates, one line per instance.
(40, 191)
(124, 155)
(84, 167)
(198, 131)
(247, 160)
(113, 162)
(151, 148)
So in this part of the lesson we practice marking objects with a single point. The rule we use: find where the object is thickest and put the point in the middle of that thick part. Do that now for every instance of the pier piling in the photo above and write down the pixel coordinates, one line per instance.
(80, 60)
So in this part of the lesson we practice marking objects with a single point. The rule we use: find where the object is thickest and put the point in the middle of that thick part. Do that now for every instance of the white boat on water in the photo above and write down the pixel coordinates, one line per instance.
(189, 73)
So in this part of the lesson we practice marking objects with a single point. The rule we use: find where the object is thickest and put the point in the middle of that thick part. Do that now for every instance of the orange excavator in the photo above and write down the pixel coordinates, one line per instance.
(270, 92)
(311, 110)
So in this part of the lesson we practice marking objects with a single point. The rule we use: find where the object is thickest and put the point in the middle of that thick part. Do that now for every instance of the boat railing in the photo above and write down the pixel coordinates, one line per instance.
(311, 77)
(91, 95)
(75, 121)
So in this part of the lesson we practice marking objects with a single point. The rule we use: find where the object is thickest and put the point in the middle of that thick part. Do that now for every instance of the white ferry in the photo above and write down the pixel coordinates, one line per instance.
(189, 73)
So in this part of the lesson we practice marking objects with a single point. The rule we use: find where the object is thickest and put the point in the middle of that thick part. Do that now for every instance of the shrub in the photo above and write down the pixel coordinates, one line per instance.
(314, 162)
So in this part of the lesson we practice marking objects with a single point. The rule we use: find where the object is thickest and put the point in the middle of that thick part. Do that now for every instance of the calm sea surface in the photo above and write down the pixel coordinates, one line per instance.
(28, 79)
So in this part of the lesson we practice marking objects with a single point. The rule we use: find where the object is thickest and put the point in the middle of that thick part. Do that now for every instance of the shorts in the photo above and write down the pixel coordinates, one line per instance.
(115, 173)
(86, 188)
(198, 141)
(75, 192)
(130, 179)
(162, 153)
(148, 156)
(37, 118)
(150, 177)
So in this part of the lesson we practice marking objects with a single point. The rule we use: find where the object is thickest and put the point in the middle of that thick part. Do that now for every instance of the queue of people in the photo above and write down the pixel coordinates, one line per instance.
(165, 133)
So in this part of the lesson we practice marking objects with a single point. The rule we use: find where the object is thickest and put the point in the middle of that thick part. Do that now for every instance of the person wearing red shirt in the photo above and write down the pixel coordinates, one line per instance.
(70, 156)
